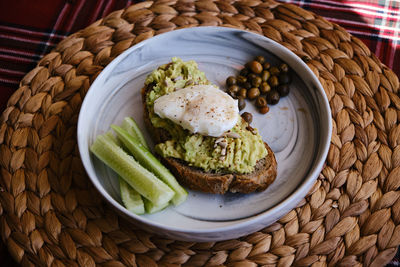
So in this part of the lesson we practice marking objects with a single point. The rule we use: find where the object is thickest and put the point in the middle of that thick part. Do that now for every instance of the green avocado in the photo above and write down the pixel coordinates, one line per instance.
(243, 149)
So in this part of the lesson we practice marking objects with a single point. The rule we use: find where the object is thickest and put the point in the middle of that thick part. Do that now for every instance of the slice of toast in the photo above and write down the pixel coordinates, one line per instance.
(218, 183)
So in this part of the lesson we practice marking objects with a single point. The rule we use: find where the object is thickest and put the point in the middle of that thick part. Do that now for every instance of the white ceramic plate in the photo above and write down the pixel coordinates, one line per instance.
(298, 129)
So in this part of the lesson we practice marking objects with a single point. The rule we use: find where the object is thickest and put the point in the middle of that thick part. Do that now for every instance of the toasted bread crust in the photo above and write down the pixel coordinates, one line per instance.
(218, 183)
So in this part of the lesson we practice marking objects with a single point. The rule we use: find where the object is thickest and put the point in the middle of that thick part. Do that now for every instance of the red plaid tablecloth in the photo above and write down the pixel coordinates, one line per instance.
(30, 29)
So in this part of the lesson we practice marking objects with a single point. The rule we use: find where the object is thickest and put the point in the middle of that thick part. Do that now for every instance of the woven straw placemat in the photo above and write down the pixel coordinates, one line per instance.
(51, 213)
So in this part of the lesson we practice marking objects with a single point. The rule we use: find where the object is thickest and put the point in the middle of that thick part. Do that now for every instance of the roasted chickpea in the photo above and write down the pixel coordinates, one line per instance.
(260, 81)
(283, 89)
(255, 67)
(284, 67)
(273, 81)
(244, 72)
(241, 79)
(264, 88)
(251, 76)
(305, 59)
(273, 97)
(247, 117)
(233, 89)
(231, 81)
(247, 85)
(242, 93)
(284, 78)
(261, 102)
(256, 81)
(253, 93)
(266, 65)
(263, 110)
(260, 59)
(265, 75)
(241, 103)
(274, 70)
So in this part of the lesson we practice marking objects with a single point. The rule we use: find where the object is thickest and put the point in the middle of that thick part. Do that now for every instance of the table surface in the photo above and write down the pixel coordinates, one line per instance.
(29, 31)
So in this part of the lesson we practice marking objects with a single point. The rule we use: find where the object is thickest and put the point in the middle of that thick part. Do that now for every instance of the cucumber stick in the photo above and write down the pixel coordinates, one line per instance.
(142, 180)
(131, 198)
(132, 128)
(152, 208)
(112, 137)
(149, 161)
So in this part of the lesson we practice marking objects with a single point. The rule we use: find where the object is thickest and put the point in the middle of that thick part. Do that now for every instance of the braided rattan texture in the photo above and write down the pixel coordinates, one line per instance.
(51, 214)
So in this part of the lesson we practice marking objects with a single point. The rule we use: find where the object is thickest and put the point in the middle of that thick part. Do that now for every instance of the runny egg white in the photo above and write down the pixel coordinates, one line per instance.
(202, 109)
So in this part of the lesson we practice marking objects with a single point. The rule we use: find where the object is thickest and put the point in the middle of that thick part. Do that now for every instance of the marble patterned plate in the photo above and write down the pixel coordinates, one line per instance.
(298, 129)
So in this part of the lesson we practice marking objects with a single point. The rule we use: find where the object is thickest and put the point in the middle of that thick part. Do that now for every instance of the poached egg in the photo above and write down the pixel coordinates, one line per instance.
(203, 109)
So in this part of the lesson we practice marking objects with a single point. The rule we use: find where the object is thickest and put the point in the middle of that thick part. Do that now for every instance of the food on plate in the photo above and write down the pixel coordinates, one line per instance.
(131, 198)
(145, 184)
(202, 109)
(260, 81)
(200, 135)
(247, 117)
(130, 125)
(151, 163)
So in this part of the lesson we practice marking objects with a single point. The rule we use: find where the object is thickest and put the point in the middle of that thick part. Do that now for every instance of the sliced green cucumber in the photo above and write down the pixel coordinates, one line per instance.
(149, 161)
(142, 180)
(130, 125)
(113, 138)
(131, 198)
(152, 208)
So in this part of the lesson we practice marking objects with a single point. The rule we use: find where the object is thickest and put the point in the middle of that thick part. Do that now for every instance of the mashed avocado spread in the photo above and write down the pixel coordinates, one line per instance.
(242, 148)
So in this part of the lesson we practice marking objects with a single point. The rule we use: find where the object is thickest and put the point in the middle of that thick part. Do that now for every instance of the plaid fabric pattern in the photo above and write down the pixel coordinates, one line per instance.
(376, 23)
(30, 29)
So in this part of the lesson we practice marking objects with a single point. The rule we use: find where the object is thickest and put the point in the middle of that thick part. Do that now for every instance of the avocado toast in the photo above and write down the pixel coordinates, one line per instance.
(236, 161)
